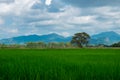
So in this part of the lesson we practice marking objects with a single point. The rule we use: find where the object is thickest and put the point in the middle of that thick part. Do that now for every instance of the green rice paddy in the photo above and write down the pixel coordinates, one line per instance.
(60, 64)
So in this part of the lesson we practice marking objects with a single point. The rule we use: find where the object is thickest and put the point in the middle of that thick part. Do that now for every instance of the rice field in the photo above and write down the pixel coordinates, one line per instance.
(60, 64)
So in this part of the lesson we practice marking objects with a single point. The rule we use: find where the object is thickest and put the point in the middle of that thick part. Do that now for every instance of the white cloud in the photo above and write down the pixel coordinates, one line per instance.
(6, 1)
(82, 20)
(48, 2)
(108, 11)
(1, 21)
(13, 31)
(18, 7)
(4, 9)
(65, 34)
(68, 20)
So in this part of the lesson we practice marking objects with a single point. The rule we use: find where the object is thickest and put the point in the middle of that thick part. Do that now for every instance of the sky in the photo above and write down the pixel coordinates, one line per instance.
(64, 17)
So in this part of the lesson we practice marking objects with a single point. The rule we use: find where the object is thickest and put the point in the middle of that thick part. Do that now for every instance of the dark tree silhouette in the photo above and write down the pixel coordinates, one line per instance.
(80, 39)
(116, 44)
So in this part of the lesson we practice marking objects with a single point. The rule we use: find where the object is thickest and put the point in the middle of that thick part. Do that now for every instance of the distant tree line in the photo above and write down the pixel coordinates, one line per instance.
(10, 46)
(116, 44)
(49, 45)
(38, 45)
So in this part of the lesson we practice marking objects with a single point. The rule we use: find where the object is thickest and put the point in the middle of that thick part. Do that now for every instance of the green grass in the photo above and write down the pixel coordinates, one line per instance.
(60, 64)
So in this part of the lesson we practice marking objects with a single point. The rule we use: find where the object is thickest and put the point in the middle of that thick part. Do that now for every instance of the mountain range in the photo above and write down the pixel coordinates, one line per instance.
(36, 38)
(106, 38)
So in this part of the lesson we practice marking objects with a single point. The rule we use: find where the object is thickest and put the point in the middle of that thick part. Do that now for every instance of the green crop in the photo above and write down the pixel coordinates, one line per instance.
(60, 64)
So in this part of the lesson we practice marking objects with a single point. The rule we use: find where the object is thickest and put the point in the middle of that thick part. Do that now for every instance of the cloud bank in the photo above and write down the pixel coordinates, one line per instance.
(65, 17)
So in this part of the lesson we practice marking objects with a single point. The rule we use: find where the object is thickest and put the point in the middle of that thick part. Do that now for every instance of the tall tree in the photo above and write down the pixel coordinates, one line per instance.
(80, 39)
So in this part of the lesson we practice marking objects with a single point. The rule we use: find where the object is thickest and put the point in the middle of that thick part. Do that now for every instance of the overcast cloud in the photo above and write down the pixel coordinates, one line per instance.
(65, 17)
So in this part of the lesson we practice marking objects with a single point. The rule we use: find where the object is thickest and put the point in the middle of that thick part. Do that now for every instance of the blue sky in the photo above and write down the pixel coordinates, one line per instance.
(64, 17)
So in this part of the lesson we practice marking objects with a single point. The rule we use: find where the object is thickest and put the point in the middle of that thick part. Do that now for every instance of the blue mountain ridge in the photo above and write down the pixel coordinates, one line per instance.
(36, 38)
(106, 38)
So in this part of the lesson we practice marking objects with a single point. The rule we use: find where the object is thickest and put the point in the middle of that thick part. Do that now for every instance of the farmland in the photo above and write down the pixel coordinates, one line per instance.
(60, 64)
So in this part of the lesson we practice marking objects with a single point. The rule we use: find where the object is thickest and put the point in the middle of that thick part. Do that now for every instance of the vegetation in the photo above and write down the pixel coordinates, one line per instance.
(116, 44)
(38, 45)
(60, 64)
(80, 39)
(48, 45)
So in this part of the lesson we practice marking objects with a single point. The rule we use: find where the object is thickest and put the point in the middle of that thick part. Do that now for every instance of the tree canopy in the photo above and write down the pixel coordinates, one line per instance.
(80, 39)
(116, 44)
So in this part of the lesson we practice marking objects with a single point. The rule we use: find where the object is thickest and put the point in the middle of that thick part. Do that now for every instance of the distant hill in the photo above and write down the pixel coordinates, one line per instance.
(36, 38)
(101, 38)
(107, 38)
